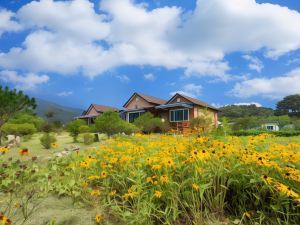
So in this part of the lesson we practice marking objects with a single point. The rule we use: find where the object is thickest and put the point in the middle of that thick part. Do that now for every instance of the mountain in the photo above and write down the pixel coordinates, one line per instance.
(60, 113)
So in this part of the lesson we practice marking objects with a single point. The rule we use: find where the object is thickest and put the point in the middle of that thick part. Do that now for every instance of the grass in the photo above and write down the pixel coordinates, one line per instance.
(36, 149)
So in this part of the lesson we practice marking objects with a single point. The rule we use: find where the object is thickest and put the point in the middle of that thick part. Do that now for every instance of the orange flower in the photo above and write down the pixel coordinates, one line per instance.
(24, 152)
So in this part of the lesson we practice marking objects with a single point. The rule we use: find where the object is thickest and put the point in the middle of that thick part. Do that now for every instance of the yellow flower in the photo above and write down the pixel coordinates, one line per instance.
(98, 217)
(84, 164)
(93, 177)
(158, 194)
(195, 186)
(164, 179)
(114, 192)
(95, 192)
(103, 174)
(54, 145)
(84, 184)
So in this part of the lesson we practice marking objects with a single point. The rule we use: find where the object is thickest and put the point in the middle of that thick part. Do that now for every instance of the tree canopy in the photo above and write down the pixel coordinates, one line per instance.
(237, 111)
(13, 102)
(290, 105)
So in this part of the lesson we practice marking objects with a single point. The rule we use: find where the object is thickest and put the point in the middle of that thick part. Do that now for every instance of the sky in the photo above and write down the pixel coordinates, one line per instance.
(222, 52)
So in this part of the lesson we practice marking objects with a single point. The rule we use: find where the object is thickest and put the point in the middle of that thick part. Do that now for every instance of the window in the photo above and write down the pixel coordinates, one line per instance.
(178, 99)
(270, 128)
(179, 115)
(134, 115)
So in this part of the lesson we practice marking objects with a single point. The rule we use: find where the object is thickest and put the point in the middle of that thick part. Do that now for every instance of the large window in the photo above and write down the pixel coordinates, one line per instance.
(134, 115)
(179, 115)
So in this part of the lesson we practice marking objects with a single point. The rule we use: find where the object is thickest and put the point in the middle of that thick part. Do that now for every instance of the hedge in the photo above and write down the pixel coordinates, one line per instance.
(288, 133)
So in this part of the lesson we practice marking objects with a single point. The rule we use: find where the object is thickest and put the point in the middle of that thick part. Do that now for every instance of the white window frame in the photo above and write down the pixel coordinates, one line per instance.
(173, 110)
(133, 113)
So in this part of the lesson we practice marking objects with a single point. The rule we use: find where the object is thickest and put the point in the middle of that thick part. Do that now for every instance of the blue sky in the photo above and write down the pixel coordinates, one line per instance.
(220, 51)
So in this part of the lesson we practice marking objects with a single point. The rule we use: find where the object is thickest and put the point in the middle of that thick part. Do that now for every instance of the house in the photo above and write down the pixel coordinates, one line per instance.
(270, 126)
(178, 111)
(94, 111)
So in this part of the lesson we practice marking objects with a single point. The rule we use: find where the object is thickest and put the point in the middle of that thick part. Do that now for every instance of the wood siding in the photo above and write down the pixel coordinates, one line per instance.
(138, 102)
(92, 111)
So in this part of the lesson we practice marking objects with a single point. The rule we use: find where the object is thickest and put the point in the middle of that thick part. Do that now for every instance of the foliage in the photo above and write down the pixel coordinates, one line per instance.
(18, 129)
(147, 123)
(27, 117)
(237, 111)
(225, 126)
(290, 105)
(245, 123)
(296, 123)
(110, 123)
(88, 139)
(11, 103)
(74, 128)
(47, 140)
(281, 133)
(203, 122)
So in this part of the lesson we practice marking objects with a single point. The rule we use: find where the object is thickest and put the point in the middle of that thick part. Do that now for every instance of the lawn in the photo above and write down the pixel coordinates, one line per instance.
(154, 179)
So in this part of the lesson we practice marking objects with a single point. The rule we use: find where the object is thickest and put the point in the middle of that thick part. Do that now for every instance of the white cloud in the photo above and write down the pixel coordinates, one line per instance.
(28, 81)
(272, 88)
(65, 93)
(67, 36)
(255, 63)
(123, 78)
(149, 76)
(7, 23)
(248, 103)
(191, 90)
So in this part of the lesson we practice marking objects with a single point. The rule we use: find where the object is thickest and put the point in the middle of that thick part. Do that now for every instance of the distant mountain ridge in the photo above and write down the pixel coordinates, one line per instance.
(60, 113)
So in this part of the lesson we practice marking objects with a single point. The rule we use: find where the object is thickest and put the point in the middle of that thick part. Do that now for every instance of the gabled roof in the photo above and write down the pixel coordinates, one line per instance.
(148, 98)
(104, 108)
(193, 100)
(101, 108)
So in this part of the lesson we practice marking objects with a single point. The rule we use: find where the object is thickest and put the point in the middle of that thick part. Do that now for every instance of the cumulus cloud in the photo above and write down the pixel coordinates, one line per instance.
(272, 88)
(70, 37)
(7, 22)
(255, 63)
(191, 90)
(65, 93)
(149, 76)
(28, 81)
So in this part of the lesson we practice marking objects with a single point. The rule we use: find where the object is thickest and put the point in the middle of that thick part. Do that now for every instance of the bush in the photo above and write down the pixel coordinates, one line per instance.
(46, 127)
(147, 123)
(110, 123)
(47, 140)
(88, 139)
(282, 133)
(75, 128)
(19, 129)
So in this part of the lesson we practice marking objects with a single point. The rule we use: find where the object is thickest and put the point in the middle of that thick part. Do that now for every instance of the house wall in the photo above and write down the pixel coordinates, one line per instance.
(137, 103)
(199, 111)
(92, 111)
(179, 99)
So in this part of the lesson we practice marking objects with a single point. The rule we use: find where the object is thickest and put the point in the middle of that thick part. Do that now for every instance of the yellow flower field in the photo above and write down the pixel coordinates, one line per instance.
(171, 179)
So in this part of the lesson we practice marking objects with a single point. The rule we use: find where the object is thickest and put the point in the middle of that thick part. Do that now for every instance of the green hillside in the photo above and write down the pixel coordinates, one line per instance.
(60, 113)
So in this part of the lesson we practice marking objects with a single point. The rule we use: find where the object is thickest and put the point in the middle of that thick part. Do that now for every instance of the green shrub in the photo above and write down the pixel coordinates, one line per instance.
(47, 140)
(282, 133)
(147, 123)
(88, 139)
(110, 123)
(18, 129)
(75, 128)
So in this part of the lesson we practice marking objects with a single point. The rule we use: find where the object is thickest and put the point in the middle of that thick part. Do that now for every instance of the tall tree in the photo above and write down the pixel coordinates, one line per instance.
(11, 103)
(290, 105)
